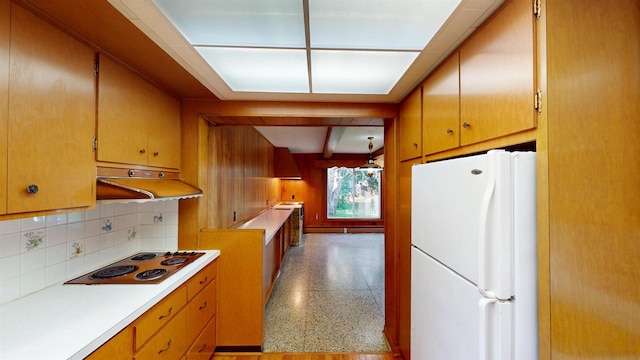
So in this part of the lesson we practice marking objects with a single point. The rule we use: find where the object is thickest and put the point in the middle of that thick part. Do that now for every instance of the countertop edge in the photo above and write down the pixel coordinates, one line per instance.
(73, 340)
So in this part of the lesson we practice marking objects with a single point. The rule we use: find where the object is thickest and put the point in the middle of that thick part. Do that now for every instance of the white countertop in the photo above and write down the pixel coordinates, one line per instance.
(270, 220)
(71, 321)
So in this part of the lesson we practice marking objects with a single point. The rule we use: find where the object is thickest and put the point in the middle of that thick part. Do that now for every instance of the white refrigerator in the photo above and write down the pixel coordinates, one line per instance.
(474, 258)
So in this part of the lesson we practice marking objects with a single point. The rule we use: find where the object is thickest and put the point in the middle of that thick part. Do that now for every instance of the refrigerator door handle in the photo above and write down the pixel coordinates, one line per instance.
(485, 337)
(482, 238)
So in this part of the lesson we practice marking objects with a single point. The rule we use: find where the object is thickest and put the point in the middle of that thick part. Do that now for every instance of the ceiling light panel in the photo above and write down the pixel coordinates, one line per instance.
(377, 24)
(259, 70)
(358, 72)
(263, 23)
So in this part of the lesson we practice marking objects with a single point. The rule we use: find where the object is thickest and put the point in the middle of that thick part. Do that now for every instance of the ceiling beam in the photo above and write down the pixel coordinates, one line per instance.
(334, 134)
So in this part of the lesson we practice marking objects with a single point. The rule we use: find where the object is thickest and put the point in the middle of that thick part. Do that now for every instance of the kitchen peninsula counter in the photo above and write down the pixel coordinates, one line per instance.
(253, 255)
(71, 321)
(271, 221)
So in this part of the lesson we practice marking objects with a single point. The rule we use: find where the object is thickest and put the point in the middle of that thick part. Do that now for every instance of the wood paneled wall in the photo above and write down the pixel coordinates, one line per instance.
(593, 52)
(240, 175)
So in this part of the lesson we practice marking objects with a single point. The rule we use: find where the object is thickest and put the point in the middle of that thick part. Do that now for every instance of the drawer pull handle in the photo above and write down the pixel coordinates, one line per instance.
(204, 346)
(165, 349)
(204, 281)
(168, 314)
(203, 305)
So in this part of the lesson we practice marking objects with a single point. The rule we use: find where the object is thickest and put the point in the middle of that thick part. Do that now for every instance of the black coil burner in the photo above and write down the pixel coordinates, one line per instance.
(114, 271)
(143, 256)
(150, 274)
(142, 268)
(174, 261)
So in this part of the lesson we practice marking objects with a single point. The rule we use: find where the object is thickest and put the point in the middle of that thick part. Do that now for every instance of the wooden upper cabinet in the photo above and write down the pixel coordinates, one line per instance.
(441, 107)
(51, 121)
(497, 75)
(410, 126)
(138, 123)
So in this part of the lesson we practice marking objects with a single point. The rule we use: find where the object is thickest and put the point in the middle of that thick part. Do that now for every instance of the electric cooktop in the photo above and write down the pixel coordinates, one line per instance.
(141, 268)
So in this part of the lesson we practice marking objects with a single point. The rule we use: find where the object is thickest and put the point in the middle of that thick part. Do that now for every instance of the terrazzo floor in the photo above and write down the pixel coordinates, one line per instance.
(329, 296)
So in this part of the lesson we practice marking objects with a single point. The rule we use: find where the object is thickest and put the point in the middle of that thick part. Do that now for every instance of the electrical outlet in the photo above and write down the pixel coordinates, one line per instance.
(345, 230)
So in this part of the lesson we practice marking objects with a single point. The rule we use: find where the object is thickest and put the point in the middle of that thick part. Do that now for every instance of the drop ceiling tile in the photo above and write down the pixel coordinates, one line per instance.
(377, 24)
(358, 72)
(269, 23)
(249, 69)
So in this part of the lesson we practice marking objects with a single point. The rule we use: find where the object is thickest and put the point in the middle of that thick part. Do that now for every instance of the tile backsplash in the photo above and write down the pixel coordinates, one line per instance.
(41, 251)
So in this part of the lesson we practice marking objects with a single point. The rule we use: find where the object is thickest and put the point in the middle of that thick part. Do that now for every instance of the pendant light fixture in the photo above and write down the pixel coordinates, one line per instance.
(370, 166)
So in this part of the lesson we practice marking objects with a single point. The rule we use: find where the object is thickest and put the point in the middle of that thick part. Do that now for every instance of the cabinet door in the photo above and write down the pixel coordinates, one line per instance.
(441, 107)
(51, 117)
(137, 123)
(5, 23)
(497, 75)
(410, 126)
(164, 131)
(122, 127)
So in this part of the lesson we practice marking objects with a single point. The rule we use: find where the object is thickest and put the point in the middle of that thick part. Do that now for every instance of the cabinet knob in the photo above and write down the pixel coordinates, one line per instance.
(415, 145)
(466, 125)
(156, 154)
(32, 189)
(449, 131)
(142, 151)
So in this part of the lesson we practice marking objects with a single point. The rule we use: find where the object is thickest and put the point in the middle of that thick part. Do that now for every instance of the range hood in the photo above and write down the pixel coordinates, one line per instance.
(284, 165)
(123, 185)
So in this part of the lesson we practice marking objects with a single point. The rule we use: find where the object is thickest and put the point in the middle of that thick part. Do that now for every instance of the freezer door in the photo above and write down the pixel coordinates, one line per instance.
(462, 215)
(445, 211)
(450, 319)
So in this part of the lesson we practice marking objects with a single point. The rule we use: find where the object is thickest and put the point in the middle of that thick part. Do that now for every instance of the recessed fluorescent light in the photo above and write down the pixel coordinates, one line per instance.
(377, 24)
(259, 70)
(268, 23)
(358, 72)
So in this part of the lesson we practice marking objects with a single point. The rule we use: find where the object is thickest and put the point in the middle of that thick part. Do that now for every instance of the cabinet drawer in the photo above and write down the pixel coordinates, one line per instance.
(203, 347)
(152, 320)
(118, 347)
(200, 310)
(201, 279)
(168, 343)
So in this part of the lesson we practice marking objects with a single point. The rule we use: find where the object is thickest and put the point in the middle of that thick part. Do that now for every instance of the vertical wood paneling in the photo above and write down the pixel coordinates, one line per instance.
(391, 235)
(593, 52)
(5, 21)
(404, 257)
(240, 170)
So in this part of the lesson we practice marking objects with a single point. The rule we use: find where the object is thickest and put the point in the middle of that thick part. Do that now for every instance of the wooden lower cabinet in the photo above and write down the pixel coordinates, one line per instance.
(170, 342)
(181, 326)
(149, 323)
(119, 347)
(205, 344)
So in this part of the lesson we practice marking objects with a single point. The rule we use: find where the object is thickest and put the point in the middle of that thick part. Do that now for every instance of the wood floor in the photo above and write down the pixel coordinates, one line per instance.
(305, 356)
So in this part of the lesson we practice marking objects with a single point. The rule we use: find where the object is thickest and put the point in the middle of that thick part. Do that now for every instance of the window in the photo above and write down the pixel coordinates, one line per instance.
(352, 194)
